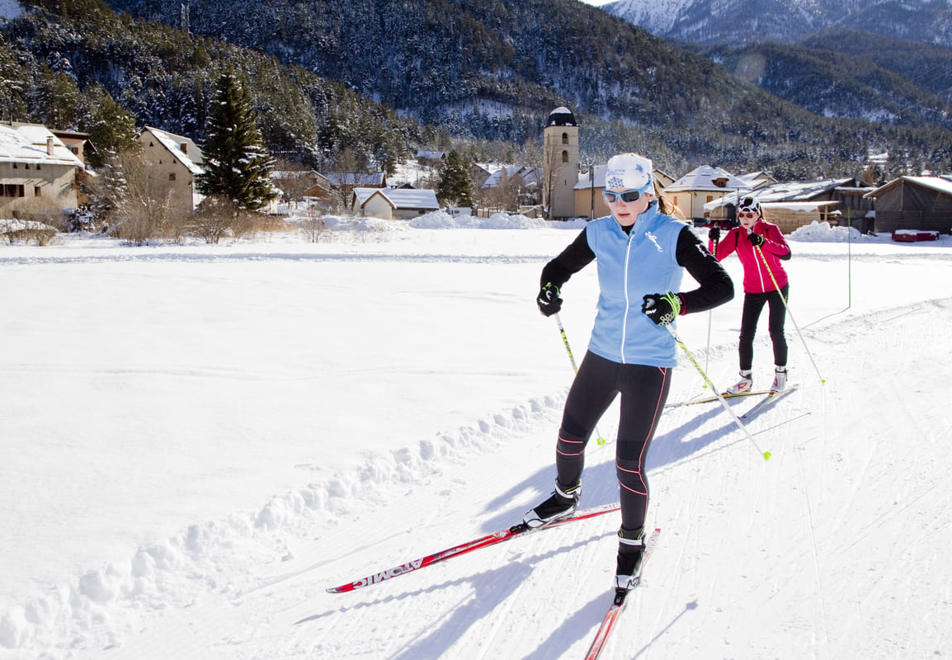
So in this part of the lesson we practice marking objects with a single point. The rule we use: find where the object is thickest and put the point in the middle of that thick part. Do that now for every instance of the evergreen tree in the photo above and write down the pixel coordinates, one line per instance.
(111, 128)
(455, 186)
(237, 167)
(55, 99)
(12, 85)
(106, 192)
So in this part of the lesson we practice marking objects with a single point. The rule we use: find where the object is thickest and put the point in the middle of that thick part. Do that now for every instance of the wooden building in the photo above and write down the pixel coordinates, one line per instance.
(914, 202)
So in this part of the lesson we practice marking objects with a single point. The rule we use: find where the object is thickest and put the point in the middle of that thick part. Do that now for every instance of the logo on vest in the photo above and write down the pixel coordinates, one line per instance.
(651, 237)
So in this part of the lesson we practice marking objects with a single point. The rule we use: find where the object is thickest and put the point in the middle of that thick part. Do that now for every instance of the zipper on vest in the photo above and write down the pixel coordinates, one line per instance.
(624, 323)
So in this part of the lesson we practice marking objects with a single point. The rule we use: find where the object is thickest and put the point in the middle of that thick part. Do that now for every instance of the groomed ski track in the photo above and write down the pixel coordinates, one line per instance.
(835, 548)
(815, 554)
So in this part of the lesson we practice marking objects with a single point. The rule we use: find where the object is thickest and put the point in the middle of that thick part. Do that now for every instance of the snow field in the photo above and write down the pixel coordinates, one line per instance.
(305, 414)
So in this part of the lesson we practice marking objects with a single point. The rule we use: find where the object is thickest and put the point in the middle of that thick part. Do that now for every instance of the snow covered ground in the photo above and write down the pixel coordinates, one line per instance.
(196, 441)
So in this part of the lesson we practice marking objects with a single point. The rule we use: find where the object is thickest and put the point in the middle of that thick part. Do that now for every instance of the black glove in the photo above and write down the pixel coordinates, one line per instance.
(548, 300)
(755, 239)
(661, 308)
(714, 234)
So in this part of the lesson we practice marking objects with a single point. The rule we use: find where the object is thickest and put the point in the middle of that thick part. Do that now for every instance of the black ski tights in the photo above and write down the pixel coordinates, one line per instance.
(643, 392)
(753, 305)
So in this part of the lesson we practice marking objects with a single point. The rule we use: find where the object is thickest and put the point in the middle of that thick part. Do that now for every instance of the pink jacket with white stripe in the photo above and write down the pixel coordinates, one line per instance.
(757, 278)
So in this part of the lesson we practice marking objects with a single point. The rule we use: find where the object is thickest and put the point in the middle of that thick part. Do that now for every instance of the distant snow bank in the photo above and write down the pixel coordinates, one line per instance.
(822, 232)
(815, 232)
(440, 220)
(443, 220)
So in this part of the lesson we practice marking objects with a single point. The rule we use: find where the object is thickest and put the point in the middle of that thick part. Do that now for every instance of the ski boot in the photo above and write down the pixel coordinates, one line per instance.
(561, 504)
(631, 552)
(745, 384)
(780, 380)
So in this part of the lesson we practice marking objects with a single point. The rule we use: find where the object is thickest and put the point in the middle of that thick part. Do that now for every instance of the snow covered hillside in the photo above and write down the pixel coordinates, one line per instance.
(198, 440)
(736, 22)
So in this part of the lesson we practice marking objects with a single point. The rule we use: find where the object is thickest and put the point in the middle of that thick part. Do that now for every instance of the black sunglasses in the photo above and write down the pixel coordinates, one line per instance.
(627, 196)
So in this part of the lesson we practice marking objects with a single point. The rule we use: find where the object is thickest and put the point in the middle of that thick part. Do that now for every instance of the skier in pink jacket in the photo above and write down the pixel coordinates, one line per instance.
(761, 247)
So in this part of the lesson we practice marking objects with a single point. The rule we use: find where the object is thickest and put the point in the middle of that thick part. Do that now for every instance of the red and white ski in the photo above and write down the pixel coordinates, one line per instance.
(457, 550)
(618, 605)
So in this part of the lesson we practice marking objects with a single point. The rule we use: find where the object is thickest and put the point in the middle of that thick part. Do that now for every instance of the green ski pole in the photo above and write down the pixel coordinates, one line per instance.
(740, 424)
(565, 340)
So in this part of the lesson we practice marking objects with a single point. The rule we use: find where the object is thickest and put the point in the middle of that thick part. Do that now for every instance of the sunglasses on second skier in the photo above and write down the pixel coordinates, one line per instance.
(627, 196)
(746, 214)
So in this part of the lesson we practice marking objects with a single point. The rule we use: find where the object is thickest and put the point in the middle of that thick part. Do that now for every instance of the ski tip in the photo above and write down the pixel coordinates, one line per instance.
(767, 455)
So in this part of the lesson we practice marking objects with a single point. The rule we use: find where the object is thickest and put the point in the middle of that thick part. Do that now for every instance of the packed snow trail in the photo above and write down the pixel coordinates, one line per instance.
(195, 446)
(784, 560)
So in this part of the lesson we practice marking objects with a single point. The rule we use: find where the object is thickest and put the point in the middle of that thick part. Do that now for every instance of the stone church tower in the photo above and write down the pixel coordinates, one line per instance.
(560, 164)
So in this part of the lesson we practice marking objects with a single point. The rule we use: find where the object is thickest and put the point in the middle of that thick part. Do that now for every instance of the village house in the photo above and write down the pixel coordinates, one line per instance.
(510, 188)
(345, 182)
(757, 179)
(795, 204)
(914, 202)
(394, 203)
(78, 143)
(430, 158)
(701, 186)
(307, 185)
(172, 164)
(37, 170)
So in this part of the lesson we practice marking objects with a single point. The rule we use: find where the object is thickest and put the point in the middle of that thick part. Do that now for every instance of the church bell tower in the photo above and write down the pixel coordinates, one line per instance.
(560, 164)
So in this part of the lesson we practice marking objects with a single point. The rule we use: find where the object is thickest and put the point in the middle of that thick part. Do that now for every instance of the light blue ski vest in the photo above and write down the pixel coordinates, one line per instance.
(631, 266)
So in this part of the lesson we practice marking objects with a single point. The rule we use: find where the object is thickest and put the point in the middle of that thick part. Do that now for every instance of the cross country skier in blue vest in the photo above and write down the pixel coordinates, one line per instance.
(641, 253)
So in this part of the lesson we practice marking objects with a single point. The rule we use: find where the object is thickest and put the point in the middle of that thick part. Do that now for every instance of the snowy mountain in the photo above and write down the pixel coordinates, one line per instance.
(879, 61)
(834, 84)
(490, 70)
(737, 22)
(330, 76)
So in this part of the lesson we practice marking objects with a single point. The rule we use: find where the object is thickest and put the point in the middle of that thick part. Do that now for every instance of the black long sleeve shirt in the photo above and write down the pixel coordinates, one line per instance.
(715, 287)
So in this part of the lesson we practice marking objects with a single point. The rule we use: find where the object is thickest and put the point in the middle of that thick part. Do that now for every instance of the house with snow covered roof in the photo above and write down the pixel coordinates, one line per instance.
(78, 143)
(394, 203)
(309, 185)
(757, 179)
(702, 185)
(518, 175)
(351, 180)
(172, 164)
(37, 170)
(794, 204)
(432, 158)
(914, 202)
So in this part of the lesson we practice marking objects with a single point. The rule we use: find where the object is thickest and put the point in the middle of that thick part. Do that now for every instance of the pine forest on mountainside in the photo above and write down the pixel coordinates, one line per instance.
(381, 79)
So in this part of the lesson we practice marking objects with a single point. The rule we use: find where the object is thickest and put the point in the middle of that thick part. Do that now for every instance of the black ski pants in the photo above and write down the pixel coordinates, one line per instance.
(753, 306)
(643, 392)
